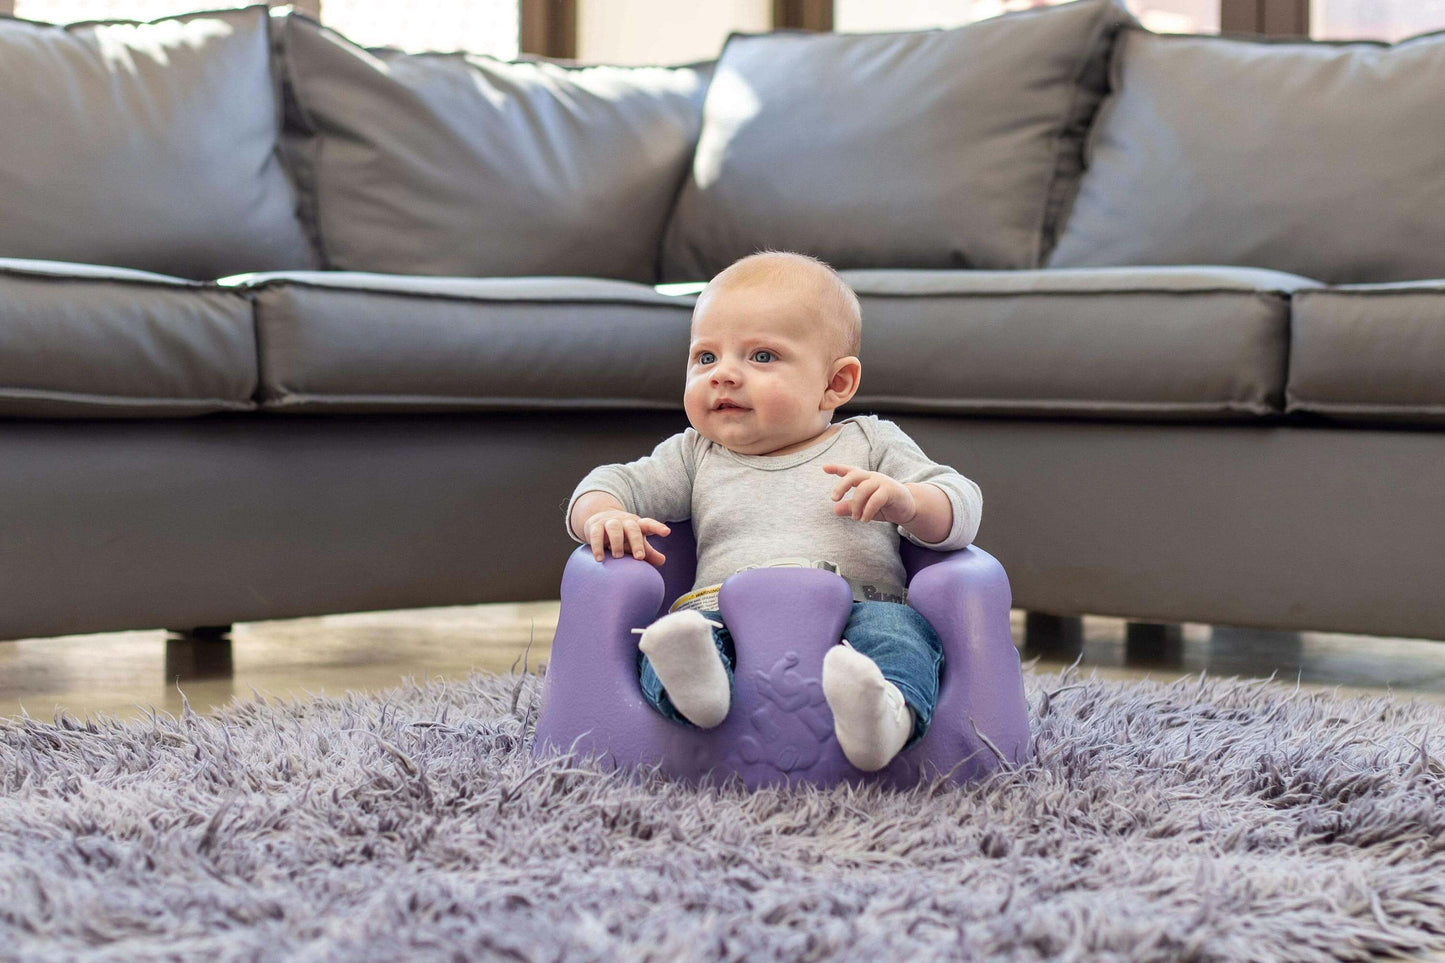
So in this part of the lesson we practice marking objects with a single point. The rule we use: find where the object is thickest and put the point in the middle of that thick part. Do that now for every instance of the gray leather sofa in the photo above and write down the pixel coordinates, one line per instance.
(290, 327)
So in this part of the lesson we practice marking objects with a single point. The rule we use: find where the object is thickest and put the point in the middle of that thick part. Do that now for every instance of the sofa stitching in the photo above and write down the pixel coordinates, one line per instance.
(99, 400)
(682, 303)
(683, 300)
(1299, 403)
(179, 284)
(1280, 295)
(467, 298)
(924, 405)
(1338, 293)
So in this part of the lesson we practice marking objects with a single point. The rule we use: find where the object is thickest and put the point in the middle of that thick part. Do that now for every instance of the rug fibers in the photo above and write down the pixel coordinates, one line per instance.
(1193, 819)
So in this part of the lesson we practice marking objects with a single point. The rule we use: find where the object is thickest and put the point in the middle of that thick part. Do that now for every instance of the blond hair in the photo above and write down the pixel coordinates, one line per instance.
(838, 304)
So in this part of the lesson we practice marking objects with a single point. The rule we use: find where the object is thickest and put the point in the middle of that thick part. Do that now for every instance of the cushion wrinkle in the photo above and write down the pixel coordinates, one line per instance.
(1058, 191)
(308, 182)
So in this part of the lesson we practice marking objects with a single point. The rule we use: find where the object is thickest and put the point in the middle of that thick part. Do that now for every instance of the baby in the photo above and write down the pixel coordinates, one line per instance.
(762, 473)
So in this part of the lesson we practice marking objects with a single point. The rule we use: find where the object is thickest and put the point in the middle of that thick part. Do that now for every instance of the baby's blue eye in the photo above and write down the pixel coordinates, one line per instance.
(704, 356)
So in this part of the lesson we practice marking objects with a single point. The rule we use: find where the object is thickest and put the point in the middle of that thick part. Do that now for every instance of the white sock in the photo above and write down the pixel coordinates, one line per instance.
(680, 647)
(870, 718)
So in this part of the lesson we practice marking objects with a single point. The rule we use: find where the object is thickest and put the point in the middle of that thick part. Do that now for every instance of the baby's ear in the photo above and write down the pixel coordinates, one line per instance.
(843, 384)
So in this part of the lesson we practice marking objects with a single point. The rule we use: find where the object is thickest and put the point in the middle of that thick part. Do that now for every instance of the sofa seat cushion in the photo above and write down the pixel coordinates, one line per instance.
(1104, 343)
(146, 145)
(82, 341)
(1154, 343)
(1370, 353)
(353, 342)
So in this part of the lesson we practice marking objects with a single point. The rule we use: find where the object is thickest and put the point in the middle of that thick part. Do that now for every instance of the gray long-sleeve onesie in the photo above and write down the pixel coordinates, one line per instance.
(756, 510)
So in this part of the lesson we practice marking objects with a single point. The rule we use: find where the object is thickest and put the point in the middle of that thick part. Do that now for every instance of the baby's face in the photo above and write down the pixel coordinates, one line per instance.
(763, 348)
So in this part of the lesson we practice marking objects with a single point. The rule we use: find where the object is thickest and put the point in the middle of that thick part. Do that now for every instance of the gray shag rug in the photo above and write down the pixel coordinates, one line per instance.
(1198, 819)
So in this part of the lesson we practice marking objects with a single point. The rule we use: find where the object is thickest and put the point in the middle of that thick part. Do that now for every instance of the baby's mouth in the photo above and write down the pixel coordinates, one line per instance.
(729, 407)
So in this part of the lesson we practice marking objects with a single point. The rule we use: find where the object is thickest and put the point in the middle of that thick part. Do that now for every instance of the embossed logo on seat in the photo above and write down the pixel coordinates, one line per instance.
(788, 729)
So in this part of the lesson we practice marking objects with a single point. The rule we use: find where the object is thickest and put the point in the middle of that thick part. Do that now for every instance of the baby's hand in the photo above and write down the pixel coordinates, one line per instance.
(878, 496)
(618, 528)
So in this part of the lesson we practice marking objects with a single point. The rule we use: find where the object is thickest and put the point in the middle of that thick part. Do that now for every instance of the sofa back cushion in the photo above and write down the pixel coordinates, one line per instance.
(462, 164)
(146, 145)
(1321, 159)
(920, 149)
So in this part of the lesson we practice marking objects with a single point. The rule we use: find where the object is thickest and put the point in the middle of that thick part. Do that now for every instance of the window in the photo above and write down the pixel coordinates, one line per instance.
(66, 11)
(479, 26)
(663, 31)
(1374, 19)
(1177, 16)
(1165, 16)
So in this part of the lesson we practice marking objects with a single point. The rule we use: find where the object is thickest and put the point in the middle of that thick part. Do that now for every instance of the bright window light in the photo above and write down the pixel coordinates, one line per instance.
(1374, 19)
(1164, 16)
(68, 11)
(476, 26)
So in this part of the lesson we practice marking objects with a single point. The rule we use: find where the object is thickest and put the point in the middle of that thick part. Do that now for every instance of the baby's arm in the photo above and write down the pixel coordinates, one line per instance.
(934, 518)
(898, 456)
(618, 503)
(585, 507)
(604, 522)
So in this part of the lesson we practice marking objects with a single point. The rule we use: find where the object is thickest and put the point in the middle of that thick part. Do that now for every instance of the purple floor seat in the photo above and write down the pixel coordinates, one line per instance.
(782, 621)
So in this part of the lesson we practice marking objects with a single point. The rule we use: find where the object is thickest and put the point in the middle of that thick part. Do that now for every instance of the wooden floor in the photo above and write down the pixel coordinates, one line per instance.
(123, 674)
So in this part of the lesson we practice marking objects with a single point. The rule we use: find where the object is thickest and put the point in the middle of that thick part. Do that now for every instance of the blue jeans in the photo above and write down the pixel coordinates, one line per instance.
(895, 636)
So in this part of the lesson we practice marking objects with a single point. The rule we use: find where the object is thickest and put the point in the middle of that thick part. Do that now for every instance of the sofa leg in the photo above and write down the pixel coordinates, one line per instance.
(1054, 636)
(1154, 643)
(204, 633)
(200, 652)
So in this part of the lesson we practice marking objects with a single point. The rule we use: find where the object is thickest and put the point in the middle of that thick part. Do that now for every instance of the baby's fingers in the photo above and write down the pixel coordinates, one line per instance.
(634, 541)
(855, 506)
(853, 477)
(876, 503)
(616, 536)
(649, 554)
(640, 548)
